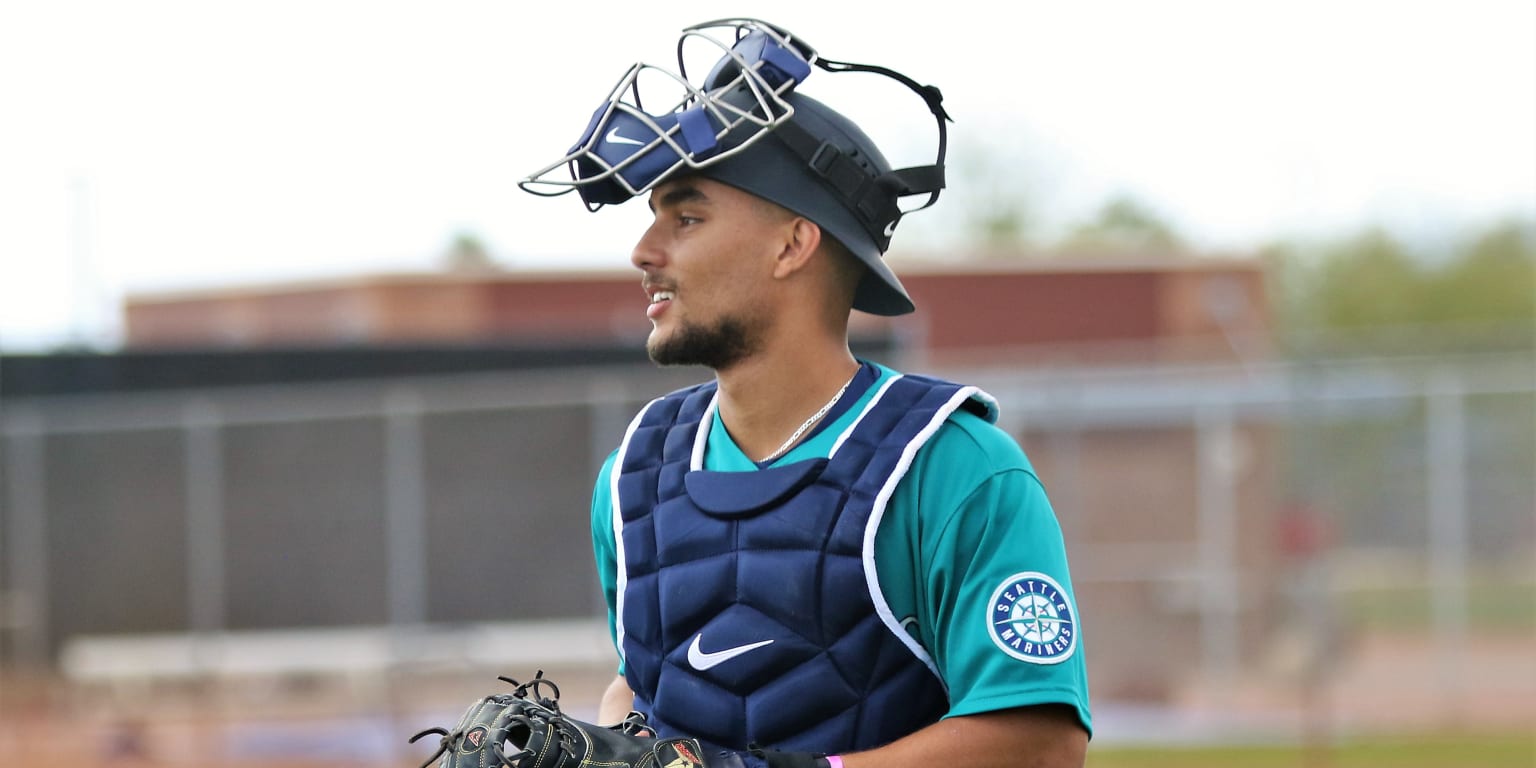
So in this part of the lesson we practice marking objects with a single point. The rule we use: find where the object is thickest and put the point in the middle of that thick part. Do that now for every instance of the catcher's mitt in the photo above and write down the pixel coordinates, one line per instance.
(525, 729)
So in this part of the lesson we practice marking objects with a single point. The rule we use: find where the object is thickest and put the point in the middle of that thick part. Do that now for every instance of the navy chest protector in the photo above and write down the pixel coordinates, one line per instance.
(749, 607)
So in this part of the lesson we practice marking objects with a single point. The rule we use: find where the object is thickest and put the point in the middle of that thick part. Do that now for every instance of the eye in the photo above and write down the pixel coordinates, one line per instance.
(684, 221)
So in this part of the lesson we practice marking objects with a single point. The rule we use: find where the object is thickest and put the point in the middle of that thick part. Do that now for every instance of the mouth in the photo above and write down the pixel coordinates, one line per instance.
(660, 300)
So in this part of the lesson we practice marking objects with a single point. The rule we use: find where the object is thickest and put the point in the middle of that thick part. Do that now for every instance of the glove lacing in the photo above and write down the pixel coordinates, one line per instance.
(548, 714)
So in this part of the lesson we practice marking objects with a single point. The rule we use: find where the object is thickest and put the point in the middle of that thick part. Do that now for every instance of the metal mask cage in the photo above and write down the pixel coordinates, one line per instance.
(625, 150)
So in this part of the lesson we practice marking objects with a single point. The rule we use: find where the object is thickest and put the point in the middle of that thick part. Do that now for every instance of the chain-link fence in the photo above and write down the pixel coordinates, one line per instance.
(1355, 538)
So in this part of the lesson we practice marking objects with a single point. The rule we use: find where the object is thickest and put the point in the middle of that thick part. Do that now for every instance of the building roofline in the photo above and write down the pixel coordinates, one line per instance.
(907, 265)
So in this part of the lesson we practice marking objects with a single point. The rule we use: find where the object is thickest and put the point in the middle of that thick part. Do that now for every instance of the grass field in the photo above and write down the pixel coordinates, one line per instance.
(1454, 751)
(1494, 605)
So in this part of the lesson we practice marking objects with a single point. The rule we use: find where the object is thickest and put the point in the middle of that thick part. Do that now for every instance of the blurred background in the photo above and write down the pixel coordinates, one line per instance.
(301, 398)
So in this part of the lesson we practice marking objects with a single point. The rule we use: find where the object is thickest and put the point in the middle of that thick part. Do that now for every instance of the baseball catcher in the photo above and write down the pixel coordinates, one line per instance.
(811, 552)
(526, 729)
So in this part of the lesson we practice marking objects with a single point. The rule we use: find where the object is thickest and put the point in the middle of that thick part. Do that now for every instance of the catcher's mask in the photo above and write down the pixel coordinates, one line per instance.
(744, 125)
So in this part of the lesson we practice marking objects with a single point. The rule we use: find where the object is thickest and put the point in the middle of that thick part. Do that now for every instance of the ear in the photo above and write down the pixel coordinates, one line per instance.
(801, 242)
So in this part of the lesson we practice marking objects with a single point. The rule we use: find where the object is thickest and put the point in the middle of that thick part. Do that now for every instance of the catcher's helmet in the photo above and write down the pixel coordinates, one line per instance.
(746, 126)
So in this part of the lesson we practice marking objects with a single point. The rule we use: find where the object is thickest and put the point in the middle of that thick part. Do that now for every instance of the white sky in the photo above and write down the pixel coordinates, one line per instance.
(155, 145)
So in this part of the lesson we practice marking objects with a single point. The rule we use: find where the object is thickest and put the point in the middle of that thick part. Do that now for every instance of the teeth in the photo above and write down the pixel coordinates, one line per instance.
(662, 296)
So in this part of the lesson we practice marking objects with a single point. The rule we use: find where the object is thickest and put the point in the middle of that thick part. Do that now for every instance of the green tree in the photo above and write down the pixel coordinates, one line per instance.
(1493, 282)
(1125, 224)
(1371, 293)
(997, 210)
(468, 253)
(1367, 281)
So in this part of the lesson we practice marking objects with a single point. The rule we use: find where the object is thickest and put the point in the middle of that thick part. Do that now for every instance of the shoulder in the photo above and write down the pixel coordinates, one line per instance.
(966, 437)
(969, 449)
(607, 467)
(968, 442)
(602, 494)
(970, 472)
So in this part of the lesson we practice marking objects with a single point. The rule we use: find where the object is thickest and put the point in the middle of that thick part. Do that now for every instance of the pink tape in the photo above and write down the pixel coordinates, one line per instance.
(833, 761)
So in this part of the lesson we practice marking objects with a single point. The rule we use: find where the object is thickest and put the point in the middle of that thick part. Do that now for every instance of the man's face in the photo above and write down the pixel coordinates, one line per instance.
(706, 256)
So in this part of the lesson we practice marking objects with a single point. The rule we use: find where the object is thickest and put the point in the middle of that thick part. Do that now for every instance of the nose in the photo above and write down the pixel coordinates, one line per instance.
(647, 253)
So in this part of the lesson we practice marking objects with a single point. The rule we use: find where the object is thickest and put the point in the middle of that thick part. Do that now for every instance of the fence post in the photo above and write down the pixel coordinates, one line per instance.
(26, 473)
(1216, 531)
(1445, 449)
(405, 526)
(203, 464)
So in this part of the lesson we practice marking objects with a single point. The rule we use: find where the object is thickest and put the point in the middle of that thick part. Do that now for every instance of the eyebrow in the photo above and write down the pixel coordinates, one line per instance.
(683, 193)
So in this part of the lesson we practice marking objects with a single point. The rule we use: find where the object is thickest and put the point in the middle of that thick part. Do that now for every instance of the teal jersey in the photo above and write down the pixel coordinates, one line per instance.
(968, 555)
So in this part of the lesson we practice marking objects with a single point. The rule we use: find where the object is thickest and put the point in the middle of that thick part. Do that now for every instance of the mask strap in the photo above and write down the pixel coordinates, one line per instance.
(918, 179)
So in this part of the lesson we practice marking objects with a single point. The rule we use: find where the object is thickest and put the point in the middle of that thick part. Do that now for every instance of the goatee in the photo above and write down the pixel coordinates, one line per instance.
(718, 347)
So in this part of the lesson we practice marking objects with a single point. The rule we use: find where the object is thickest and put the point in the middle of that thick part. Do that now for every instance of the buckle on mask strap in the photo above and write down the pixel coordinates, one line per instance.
(837, 169)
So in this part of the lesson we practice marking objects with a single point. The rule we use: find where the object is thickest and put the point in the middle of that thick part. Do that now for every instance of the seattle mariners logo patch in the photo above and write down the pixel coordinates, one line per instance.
(1032, 619)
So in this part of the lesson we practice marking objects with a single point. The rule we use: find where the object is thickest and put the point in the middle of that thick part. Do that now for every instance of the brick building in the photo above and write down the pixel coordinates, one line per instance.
(964, 310)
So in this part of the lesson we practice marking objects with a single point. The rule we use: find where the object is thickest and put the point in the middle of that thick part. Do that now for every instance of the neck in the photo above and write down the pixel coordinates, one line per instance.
(764, 399)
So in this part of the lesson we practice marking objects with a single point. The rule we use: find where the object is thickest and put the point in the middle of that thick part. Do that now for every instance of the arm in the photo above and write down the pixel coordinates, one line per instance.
(973, 519)
(1027, 737)
(617, 701)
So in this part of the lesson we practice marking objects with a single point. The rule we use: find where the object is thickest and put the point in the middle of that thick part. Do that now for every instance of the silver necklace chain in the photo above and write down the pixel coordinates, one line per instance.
(815, 417)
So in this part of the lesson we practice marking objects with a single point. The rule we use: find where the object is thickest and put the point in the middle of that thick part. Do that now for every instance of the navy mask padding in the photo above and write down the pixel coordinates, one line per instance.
(698, 128)
(779, 66)
(624, 136)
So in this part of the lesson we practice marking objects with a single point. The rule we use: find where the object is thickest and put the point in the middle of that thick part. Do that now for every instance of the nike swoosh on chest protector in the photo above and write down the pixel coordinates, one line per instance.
(701, 661)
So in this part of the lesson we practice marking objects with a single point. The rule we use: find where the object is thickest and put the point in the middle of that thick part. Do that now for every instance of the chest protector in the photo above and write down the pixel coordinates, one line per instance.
(749, 607)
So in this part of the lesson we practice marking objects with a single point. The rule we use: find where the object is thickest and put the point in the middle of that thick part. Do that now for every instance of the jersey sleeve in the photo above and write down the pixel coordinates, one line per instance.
(604, 548)
(995, 605)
